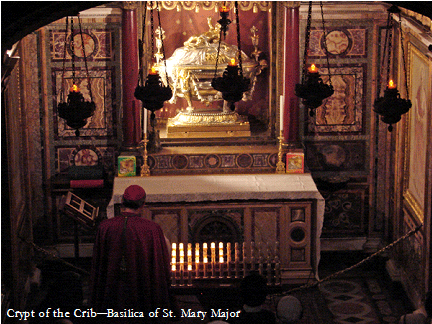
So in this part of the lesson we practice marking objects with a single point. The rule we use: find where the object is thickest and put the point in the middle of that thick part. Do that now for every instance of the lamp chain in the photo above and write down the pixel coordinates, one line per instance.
(325, 43)
(403, 56)
(72, 50)
(141, 49)
(62, 98)
(152, 30)
(85, 59)
(390, 45)
(238, 37)
(163, 48)
(218, 50)
(307, 37)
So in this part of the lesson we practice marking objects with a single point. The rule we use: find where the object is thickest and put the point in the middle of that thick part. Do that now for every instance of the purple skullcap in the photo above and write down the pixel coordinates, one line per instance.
(134, 195)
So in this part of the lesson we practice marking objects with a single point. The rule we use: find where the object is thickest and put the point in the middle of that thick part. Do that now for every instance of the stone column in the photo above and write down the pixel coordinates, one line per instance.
(292, 67)
(130, 67)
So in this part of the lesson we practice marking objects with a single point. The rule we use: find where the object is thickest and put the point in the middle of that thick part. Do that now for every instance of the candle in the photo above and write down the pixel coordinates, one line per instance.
(173, 249)
(181, 255)
(232, 62)
(229, 259)
(205, 259)
(282, 109)
(213, 258)
(197, 253)
(391, 85)
(221, 258)
(189, 255)
(197, 259)
(313, 69)
(145, 122)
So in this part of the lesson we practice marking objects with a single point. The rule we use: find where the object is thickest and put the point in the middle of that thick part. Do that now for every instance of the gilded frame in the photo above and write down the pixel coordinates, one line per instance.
(415, 145)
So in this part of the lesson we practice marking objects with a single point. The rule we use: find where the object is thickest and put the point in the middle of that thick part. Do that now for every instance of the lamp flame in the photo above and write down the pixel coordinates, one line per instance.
(313, 69)
(391, 85)
(232, 62)
(153, 71)
(224, 9)
(74, 88)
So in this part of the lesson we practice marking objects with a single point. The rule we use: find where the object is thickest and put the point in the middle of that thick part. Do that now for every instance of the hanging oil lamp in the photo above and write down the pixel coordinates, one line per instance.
(232, 84)
(312, 89)
(153, 93)
(224, 21)
(76, 110)
(391, 106)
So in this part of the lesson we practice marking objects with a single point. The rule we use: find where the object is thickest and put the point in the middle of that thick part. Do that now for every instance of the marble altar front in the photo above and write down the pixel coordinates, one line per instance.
(266, 208)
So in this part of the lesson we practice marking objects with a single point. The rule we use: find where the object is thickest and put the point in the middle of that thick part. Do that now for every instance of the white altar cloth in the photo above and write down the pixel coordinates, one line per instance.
(201, 188)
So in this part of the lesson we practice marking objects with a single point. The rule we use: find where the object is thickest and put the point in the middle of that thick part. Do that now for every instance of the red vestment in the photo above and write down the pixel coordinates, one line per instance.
(144, 283)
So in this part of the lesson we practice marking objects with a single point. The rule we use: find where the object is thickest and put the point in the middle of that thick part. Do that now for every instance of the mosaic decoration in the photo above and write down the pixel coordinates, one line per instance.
(344, 212)
(341, 42)
(101, 124)
(336, 156)
(98, 45)
(344, 111)
(212, 163)
(84, 155)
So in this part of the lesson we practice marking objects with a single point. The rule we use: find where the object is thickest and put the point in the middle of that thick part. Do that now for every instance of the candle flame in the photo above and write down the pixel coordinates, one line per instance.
(313, 68)
(232, 62)
(153, 71)
(212, 245)
(74, 88)
(391, 85)
(173, 267)
(224, 9)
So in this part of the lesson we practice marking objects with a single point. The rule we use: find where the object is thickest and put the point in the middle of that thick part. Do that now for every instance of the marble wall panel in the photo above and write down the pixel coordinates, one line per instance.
(337, 156)
(101, 124)
(349, 42)
(65, 156)
(344, 212)
(98, 45)
(344, 111)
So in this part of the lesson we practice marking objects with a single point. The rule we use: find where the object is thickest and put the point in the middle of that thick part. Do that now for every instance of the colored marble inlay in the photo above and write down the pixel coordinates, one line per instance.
(97, 45)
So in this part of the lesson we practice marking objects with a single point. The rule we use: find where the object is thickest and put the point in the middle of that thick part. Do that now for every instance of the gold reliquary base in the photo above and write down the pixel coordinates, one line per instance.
(207, 124)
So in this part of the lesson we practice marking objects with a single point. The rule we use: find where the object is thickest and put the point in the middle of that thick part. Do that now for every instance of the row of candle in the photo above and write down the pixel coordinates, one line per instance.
(225, 267)
(221, 254)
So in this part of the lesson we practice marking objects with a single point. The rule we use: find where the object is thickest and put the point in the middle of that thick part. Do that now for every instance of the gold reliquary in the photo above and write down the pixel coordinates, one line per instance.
(191, 69)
